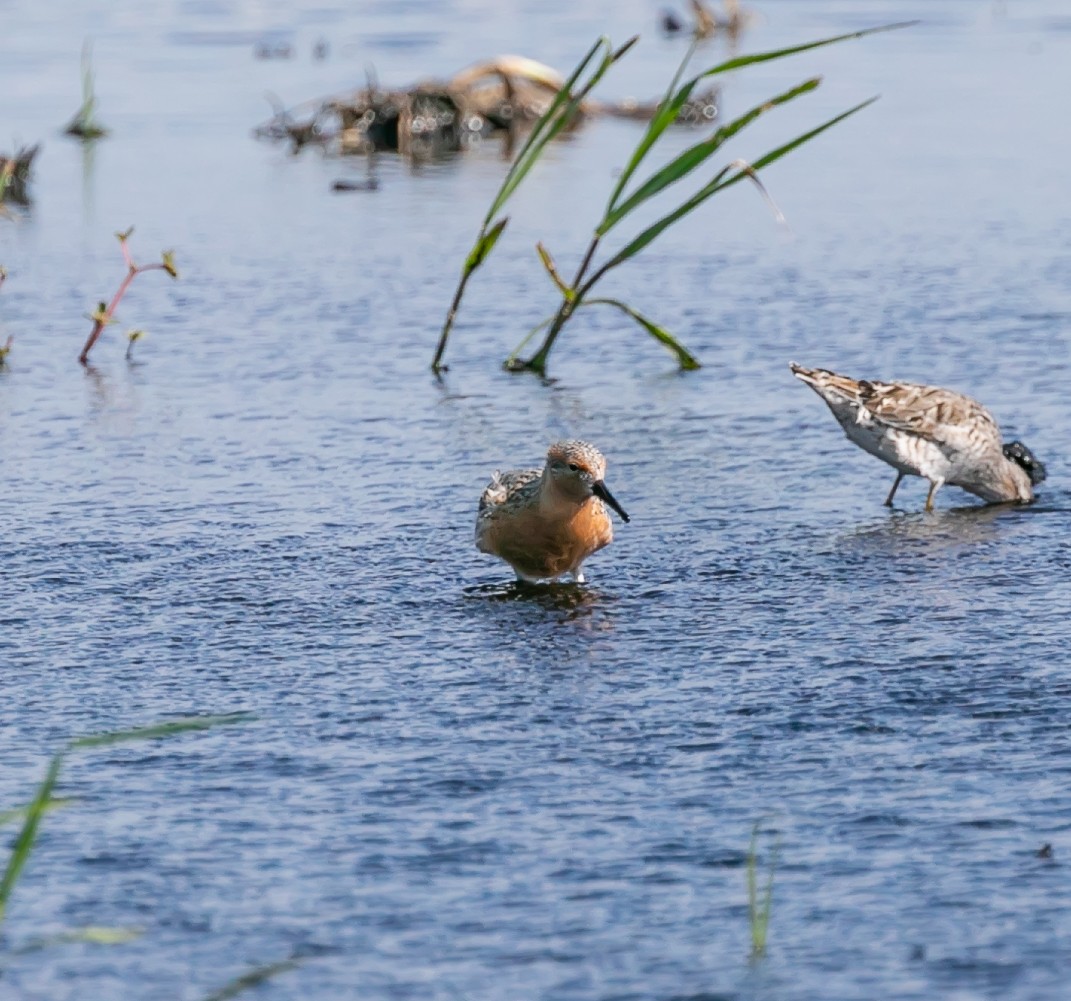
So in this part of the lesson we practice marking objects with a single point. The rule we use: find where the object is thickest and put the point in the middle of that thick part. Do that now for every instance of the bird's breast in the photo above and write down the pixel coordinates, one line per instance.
(548, 543)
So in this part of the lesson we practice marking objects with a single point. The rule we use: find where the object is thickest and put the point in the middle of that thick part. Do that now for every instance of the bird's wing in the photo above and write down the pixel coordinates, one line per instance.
(505, 487)
(938, 415)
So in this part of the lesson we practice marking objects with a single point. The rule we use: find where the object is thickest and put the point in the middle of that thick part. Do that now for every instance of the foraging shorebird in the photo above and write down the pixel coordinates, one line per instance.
(925, 431)
(545, 522)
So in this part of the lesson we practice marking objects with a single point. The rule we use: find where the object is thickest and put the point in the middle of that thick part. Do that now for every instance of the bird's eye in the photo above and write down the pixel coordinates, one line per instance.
(573, 466)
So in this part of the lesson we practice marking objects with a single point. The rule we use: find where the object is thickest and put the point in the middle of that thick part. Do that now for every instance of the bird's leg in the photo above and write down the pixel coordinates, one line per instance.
(892, 493)
(935, 485)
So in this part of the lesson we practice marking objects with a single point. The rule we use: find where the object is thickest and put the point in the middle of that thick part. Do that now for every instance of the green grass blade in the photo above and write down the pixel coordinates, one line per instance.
(687, 361)
(485, 244)
(780, 151)
(168, 729)
(252, 979)
(20, 852)
(562, 121)
(767, 900)
(91, 934)
(763, 57)
(552, 269)
(656, 229)
(759, 909)
(696, 155)
(667, 113)
(511, 361)
(757, 941)
(557, 117)
(85, 113)
(717, 184)
(542, 131)
(56, 803)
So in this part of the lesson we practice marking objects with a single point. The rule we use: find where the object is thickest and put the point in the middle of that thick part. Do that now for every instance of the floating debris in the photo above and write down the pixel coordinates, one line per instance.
(371, 184)
(671, 23)
(434, 118)
(15, 175)
(708, 22)
(280, 50)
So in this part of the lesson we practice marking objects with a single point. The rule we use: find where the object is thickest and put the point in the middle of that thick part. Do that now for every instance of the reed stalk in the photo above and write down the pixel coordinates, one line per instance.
(84, 124)
(560, 114)
(758, 907)
(626, 197)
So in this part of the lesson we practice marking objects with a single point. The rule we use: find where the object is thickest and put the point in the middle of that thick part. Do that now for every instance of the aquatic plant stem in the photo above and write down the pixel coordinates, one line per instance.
(437, 365)
(104, 314)
(572, 296)
(561, 113)
(627, 196)
(759, 908)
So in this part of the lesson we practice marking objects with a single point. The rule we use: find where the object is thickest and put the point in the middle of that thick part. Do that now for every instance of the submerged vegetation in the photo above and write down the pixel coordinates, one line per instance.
(5, 348)
(43, 801)
(758, 907)
(84, 124)
(104, 315)
(625, 198)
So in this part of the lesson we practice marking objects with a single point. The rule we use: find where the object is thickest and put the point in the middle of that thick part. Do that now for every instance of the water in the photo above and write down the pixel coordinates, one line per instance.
(454, 789)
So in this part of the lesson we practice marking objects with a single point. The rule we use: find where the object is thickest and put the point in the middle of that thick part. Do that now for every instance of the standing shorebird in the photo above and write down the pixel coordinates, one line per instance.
(925, 431)
(545, 522)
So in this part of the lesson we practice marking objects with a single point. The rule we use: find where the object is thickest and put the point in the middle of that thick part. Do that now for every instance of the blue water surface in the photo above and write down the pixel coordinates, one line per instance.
(452, 788)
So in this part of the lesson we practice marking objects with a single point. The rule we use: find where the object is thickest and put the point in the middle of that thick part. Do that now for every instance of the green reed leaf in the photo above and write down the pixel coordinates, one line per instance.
(718, 183)
(56, 803)
(24, 843)
(90, 934)
(759, 908)
(670, 108)
(560, 112)
(552, 270)
(252, 979)
(168, 729)
(664, 116)
(485, 243)
(687, 361)
(512, 361)
(693, 157)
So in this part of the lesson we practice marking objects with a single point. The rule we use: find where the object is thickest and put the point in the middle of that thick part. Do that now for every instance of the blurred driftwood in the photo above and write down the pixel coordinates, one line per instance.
(436, 117)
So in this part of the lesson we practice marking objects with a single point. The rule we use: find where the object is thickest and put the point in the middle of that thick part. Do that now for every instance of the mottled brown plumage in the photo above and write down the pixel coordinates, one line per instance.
(926, 431)
(546, 522)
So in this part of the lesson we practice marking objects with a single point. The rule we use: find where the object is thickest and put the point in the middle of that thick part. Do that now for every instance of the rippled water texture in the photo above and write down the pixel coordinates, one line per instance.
(454, 788)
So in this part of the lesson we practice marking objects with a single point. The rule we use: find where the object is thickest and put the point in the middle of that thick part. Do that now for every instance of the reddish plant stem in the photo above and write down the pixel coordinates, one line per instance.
(101, 322)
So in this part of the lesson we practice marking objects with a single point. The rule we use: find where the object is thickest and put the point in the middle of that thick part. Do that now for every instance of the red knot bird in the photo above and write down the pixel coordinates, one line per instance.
(545, 522)
(925, 431)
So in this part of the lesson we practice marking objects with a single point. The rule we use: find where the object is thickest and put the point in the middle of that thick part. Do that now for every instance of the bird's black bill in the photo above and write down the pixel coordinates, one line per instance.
(598, 488)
